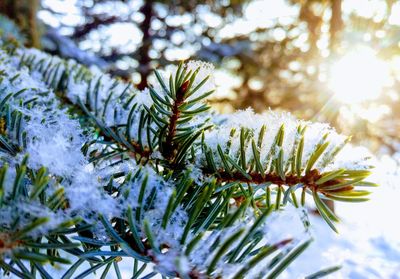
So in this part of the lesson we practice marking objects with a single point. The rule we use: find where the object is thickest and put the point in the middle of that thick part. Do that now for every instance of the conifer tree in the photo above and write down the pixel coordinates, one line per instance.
(93, 171)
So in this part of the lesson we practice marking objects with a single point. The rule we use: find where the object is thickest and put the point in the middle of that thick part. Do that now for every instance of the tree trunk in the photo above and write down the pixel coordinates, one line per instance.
(336, 25)
(24, 14)
(144, 58)
(314, 22)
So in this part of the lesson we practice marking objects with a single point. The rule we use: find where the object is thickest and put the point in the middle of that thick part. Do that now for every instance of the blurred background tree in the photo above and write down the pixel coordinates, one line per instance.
(310, 57)
(24, 14)
(134, 37)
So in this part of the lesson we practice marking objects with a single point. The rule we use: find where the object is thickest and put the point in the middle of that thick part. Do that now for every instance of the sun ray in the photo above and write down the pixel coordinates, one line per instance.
(358, 76)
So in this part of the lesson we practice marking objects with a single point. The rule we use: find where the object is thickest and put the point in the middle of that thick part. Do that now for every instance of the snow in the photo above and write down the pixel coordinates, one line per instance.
(54, 140)
(55, 143)
(87, 198)
(354, 158)
(22, 212)
(205, 70)
(276, 229)
(368, 245)
(273, 122)
(115, 99)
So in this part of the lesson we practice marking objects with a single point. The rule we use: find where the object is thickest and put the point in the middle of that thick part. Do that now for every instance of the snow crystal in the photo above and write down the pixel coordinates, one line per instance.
(102, 90)
(143, 98)
(272, 121)
(206, 70)
(171, 261)
(54, 140)
(173, 232)
(277, 226)
(23, 212)
(354, 158)
(86, 197)
(55, 144)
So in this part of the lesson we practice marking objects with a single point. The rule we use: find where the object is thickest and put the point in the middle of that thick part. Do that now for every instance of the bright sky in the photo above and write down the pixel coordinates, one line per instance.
(261, 13)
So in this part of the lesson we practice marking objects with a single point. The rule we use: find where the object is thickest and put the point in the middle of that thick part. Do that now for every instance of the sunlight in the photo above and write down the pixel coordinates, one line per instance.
(358, 76)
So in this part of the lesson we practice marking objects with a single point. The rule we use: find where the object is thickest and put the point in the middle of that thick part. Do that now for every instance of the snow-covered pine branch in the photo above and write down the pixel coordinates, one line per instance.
(93, 170)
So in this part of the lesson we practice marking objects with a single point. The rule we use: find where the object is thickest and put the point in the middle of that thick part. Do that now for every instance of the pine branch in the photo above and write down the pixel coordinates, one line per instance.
(333, 186)
(61, 76)
(169, 183)
(283, 160)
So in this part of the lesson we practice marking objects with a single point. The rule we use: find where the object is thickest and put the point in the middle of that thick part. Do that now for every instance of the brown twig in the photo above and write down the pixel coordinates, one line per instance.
(169, 147)
(308, 180)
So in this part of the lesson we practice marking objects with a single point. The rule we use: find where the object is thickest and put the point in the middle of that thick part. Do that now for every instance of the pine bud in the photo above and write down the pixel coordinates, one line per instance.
(180, 93)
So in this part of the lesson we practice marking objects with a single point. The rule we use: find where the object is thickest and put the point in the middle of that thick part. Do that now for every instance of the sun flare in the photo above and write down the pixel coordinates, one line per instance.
(358, 76)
